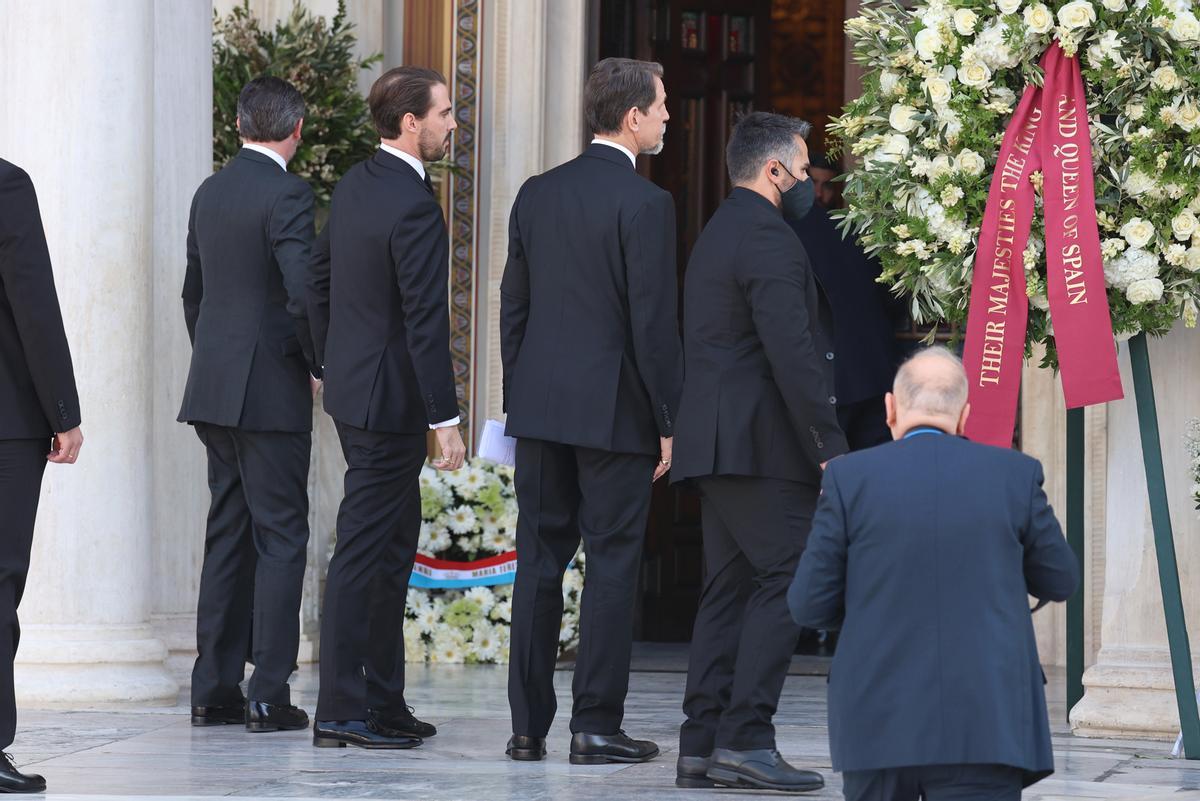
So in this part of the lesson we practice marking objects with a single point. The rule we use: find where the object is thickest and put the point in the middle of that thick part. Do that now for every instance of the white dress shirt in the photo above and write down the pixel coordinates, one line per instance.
(417, 165)
(601, 141)
(266, 151)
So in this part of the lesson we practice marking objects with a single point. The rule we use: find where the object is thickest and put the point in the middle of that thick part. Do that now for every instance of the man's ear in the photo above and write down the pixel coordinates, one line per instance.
(889, 404)
(962, 419)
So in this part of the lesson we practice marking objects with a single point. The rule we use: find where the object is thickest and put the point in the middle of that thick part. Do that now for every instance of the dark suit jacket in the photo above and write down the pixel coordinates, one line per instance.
(588, 312)
(37, 382)
(923, 552)
(244, 298)
(865, 313)
(381, 320)
(758, 393)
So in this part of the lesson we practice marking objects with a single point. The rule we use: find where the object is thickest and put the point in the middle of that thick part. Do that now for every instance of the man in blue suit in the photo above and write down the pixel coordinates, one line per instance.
(924, 551)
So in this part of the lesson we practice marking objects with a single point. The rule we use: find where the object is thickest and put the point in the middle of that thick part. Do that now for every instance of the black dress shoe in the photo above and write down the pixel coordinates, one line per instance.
(14, 781)
(401, 724)
(692, 772)
(524, 748)
(597, 749)
(218, 715)
(763, 769)
(360, 733)
(261, 716)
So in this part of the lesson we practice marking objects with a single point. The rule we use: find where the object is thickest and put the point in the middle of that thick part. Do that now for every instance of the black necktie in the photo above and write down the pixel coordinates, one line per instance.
(429, 183)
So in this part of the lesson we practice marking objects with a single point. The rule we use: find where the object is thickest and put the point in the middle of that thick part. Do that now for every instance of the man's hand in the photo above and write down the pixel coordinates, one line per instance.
(664, 460)
(66, 447)
(451, 445)
(315, 385)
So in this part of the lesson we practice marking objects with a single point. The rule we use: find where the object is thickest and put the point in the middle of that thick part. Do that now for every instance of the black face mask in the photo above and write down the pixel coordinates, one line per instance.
(798, 201)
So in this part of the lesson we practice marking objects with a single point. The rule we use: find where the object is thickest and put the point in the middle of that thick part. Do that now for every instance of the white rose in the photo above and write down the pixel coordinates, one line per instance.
(1185, 28)
(970, 162)
(1113, 5)
(1076, 14)
(928, 43)
(1137, 232)
(1184, 225)
(894, 148)
(974, 74)
(964, 21)
(903, 118)
(939, 91)
(1187, 116)
(1192, 261)
(888, 81)
(941, 165)
(1166, 78)
(1146, 290)
(1039, 19)
(1008, 6)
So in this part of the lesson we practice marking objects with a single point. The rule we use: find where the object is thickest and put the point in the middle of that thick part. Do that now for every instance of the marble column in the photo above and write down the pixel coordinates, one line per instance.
(1130, 690)
(79, 114)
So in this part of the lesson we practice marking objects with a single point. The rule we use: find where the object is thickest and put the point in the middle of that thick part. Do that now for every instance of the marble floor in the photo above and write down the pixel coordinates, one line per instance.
(153, 752)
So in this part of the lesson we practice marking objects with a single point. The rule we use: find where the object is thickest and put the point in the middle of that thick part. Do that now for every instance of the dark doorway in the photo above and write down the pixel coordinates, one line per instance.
(722, 59)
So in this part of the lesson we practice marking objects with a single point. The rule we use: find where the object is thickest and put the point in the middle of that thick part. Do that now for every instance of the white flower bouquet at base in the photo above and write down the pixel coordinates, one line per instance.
(468, 515)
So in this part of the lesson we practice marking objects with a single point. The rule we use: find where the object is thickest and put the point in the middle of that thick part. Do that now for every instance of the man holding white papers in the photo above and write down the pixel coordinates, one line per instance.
(592, 374)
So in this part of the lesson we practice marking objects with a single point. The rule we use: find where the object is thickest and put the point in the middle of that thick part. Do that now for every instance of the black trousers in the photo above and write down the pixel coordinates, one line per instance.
(934, 783)
(754, 532)
(379, 522)
(565, 493)
(255, 549)
(864, 423)
(22, 463)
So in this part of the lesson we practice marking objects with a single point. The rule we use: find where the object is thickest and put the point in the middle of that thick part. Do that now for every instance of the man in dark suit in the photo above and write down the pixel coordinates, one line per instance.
(924, 552)
(865, 316)
(39, 420)
(382, 329)
(592, 371)
(249, 396)
(756, 425)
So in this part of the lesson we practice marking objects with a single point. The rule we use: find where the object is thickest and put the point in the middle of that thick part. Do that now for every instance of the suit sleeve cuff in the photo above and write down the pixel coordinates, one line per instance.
(445, 424)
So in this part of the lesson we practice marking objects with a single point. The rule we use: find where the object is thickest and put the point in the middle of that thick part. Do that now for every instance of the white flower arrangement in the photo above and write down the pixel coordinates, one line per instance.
(942, 79)
(470, 514)
(1193, 451)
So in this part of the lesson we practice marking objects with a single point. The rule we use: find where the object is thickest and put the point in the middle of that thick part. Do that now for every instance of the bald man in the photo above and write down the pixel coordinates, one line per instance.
(924, 551)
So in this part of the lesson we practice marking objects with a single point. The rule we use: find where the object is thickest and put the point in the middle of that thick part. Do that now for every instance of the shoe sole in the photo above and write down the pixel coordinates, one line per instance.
(332, 742)
(40, 789)
(740, 781)
(695, 782)
(604, 759)
(204, 722)
(259, 728)
(525, 754)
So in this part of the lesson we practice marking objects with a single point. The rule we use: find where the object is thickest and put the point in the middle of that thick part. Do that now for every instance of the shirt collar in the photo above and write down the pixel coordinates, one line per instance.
(601, 141)
(917, 430)
(408, 158)
(266, 151)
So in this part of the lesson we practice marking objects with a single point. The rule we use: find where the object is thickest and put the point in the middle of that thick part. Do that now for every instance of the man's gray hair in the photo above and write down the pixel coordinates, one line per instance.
(938, 392)
(759, 137)
(268, 109)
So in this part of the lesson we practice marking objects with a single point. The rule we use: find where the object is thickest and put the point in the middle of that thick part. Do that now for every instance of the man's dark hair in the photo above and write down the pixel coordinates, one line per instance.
(759, 137)
(400, 91)
(614, 86)
(268, 109)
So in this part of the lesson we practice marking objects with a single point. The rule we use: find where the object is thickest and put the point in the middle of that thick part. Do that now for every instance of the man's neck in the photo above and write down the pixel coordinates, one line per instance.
(275, 147)
(406, 146)
(910, 424)
(761, 186)
(625, 139)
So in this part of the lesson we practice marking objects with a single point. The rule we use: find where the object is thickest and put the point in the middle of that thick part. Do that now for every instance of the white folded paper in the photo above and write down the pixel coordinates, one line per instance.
(496, 447)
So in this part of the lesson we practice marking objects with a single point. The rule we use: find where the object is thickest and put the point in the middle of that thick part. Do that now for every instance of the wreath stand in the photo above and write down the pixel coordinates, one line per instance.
(1164, 547)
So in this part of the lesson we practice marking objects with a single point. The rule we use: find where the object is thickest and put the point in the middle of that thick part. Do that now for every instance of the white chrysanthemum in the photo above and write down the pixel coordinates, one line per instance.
(1137, 232)
(566, 630)
(502, 610)
(415, 649)
(497, 541)
(1147, 290)
(1139, 183)
(1176, 255)
(482, 596)
(448, 647)
(428, 619)
(1110, 248)
(951, 195)
(439, 539)
(485, 641)
(462, 519)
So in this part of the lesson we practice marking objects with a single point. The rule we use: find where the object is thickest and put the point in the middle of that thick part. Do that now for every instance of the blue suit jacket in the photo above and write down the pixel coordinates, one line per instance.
(923, 552)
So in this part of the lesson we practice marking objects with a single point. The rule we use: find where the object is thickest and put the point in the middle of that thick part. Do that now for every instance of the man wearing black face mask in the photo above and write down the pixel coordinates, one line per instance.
(865, 316)
(756, 427)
